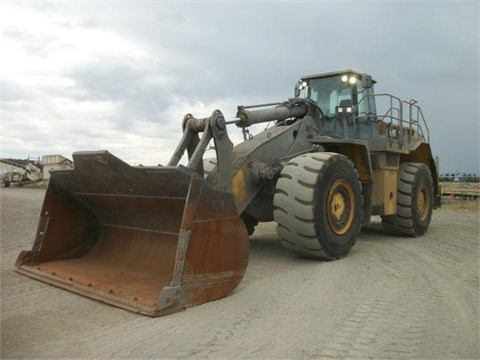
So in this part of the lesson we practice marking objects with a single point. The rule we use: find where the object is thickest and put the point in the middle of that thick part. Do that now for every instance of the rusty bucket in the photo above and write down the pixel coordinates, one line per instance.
(153, 240)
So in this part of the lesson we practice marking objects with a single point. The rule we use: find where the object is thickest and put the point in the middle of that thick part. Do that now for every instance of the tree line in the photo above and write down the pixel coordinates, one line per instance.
(460, 177)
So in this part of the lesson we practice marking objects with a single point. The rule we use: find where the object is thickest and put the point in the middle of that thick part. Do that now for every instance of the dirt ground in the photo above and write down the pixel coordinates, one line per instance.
(391, 297)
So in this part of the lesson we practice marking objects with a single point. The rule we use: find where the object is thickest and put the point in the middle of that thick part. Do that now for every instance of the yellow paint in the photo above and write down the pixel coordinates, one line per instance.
(385, 190)
(239, 188)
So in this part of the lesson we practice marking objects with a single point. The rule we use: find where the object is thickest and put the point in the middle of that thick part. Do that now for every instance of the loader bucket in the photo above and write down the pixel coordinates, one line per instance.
(153, 240)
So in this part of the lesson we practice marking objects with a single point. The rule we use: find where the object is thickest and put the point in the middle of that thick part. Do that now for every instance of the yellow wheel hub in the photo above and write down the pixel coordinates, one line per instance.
(341, 207)
(423, 202)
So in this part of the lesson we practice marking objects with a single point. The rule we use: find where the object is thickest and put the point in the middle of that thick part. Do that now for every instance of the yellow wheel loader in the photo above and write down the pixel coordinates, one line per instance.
(156, 240)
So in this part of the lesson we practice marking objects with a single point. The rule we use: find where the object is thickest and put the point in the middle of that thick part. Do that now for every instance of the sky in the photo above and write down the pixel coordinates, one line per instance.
(120, 75)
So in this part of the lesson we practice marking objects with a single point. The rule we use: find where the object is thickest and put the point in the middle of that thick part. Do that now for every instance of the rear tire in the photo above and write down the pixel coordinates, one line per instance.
(414, 201)
(318, 205)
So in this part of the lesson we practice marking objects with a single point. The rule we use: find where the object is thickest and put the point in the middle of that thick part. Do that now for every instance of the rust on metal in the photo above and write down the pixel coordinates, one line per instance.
(143, 238)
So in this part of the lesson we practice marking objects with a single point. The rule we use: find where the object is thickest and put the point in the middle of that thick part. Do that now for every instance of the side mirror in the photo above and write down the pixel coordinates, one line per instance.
(301, 85)
(367, 81)
(297, 90)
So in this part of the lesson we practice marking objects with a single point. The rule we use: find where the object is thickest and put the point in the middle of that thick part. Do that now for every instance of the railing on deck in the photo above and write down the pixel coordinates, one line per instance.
(397, 119)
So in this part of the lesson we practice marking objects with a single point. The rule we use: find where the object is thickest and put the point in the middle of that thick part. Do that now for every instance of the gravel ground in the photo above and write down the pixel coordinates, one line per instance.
(391, 297)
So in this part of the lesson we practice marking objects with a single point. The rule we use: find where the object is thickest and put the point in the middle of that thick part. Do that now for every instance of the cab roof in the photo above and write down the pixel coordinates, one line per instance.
(333, 73)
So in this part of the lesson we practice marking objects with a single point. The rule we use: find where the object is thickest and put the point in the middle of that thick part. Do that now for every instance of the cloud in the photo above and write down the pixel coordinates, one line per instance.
(121, 76)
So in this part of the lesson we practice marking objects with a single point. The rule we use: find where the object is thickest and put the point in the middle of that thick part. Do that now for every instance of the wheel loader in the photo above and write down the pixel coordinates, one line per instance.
(156, 240)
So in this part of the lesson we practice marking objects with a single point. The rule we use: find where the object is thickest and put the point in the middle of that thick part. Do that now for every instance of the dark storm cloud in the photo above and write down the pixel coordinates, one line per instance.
(204, 53)
(139, 94)
(107, 80)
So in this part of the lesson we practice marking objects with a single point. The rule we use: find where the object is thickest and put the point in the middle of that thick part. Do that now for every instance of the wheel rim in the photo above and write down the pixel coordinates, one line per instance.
(341, 207)
(423, 202)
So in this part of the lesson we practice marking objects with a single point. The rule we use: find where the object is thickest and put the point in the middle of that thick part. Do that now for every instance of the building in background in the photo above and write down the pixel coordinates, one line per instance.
(54, 162)
(31, 170)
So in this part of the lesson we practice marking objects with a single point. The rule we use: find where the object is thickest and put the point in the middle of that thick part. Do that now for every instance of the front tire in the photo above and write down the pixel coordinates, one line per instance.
(414, 201)
(318, 205)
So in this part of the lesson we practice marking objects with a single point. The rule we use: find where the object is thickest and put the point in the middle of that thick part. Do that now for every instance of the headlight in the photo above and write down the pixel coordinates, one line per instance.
(345, 110)
(302, 85)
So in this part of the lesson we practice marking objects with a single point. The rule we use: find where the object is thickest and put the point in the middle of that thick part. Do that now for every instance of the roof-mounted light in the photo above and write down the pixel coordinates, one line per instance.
(349, 79)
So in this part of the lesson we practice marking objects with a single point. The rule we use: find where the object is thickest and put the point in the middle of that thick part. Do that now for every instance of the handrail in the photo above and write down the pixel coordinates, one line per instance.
(394, 116)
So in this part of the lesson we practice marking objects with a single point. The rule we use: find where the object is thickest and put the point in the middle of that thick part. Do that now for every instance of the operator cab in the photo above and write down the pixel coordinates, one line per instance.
(338, 92)
(340, 95)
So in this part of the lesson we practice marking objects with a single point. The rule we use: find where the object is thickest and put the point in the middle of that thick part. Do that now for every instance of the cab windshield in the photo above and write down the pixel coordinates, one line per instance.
(330, 92)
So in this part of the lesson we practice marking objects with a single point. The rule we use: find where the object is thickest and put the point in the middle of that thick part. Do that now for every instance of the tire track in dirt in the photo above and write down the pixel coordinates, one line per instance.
(457, 313)
(378, 328)
(420, 300)
(391, 297)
